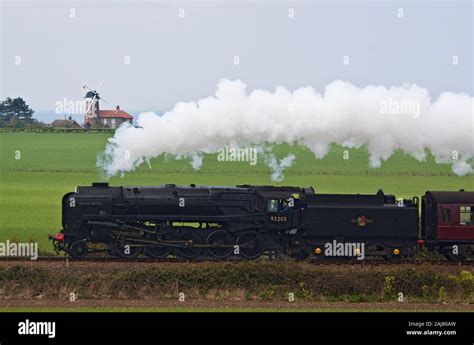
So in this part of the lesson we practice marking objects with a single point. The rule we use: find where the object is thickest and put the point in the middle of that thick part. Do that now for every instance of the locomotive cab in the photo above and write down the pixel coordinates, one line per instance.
(282, 209)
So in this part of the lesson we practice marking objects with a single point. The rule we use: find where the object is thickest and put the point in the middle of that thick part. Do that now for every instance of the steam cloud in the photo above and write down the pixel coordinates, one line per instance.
(383, 119)
(277, 167)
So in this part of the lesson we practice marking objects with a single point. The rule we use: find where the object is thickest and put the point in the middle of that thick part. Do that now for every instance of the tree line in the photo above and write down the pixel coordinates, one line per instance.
(16, 113)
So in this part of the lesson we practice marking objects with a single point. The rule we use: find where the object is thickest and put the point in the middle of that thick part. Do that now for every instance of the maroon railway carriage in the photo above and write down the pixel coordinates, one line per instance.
(447, 223)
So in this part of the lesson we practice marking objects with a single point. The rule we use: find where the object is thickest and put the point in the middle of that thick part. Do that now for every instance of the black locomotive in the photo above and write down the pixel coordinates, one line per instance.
(248, 221)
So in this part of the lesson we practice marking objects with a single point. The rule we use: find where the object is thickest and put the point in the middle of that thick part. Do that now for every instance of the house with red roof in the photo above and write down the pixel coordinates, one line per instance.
(103, 118)
(114, 118)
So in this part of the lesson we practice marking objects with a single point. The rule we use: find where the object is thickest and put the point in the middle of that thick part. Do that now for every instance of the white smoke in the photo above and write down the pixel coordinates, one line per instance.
(196, 162)
(462, 168)
(278, 166)
(383, 119)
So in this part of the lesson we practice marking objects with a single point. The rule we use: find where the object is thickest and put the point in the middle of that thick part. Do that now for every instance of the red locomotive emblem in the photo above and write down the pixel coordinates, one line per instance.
(362, 221)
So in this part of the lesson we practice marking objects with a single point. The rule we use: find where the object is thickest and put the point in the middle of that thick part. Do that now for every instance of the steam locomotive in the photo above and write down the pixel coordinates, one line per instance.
(247, 221)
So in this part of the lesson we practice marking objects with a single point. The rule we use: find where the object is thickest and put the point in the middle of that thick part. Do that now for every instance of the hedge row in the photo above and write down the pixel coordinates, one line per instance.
(249, 280)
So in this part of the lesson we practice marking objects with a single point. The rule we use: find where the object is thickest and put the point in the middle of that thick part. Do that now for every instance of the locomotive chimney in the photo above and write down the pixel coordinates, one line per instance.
(100, 184)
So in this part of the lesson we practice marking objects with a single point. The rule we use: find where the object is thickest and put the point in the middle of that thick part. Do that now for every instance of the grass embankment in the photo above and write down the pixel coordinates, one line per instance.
(242, 281)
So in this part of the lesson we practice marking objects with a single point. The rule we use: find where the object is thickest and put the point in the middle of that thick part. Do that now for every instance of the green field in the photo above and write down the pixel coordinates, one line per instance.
(52, 164)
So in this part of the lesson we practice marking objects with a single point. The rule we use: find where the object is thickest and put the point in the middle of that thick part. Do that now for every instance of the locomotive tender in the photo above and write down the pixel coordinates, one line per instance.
(248, 221)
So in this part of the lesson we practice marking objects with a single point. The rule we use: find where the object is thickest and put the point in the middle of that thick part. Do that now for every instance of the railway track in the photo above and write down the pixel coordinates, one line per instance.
(371, 262)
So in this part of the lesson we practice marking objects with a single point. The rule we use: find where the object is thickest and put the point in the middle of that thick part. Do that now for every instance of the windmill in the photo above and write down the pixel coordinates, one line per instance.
(92, 98)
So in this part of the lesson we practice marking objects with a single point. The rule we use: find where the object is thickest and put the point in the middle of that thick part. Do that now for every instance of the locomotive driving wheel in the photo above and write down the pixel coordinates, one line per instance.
(251, 244)
(222, 244)
(190, 251)
(79, 249)
(127, 250)
(159, 250)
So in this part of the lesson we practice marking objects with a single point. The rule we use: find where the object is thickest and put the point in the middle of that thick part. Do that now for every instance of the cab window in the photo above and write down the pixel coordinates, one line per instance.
(465, 215)
(273, 205)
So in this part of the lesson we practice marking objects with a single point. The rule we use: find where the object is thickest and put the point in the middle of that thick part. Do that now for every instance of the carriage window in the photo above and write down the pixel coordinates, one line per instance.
(446, 215)
(465, 215)
(273, 205)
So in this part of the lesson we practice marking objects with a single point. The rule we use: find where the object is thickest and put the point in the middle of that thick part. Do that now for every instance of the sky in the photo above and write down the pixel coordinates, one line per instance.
(152, 54)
